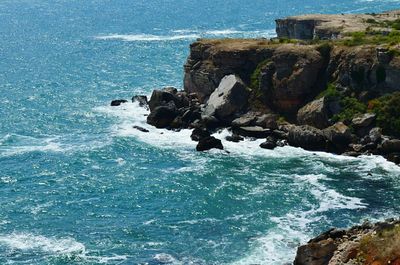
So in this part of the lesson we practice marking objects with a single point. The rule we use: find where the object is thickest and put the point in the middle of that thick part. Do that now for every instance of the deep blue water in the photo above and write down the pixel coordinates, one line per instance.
(78, 185)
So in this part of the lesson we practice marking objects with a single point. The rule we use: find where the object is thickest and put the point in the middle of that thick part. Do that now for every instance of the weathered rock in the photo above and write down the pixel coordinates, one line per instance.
(316, 253)
(142, 100)
(234, 138)
(363, 120)
(245, 120)
(118, 102)
(314, 114)
(390, 146)
(162, 116)
(164, 96)
(253, 131)
(139, 128)
(307, 137)
(339, 136)
(230, 97)
(199, 133)
(267, 121)
(270, 143)
(208, 143)
(375, 135)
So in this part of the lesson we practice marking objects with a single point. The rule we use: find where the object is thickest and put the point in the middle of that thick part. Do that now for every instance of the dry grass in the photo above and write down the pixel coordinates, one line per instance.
(381, 248)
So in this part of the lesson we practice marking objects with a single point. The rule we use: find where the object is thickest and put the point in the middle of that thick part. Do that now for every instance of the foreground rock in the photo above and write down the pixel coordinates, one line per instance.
(208, 143)
(367, 244)
(307, 137)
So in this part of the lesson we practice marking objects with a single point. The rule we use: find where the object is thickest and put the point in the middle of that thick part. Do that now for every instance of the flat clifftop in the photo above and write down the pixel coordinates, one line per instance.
(319, 26)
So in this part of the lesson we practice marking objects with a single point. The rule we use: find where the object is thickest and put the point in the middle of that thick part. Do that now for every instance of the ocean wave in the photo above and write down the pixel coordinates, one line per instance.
(279, 245)
(15, 144)
(187, 34)
(52, 247)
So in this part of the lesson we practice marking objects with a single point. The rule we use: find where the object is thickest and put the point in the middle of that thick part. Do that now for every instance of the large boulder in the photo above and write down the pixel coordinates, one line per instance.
(163, 116)
(339, 136)
(230, 97)
(363, 120)
(390, 146)
(315, 114)
(164, 96)
(208, 143)
(307, 137)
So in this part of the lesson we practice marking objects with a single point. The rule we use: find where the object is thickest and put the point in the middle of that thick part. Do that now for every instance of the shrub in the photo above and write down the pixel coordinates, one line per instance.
(255, 76)
(350, 108)
(329, 93)
(387, 109)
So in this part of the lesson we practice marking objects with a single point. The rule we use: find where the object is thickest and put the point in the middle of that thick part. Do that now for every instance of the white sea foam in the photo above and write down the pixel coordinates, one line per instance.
(26, 242)
(279, 245)
(14, 144)
(187, 34)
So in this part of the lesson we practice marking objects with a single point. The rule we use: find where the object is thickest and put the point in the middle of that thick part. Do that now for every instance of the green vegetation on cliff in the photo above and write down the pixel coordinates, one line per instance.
(387, 109)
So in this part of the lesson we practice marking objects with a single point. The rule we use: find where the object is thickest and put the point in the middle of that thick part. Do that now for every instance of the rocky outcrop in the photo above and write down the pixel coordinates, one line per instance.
(367, 244)
(308, 27)
(208, 143)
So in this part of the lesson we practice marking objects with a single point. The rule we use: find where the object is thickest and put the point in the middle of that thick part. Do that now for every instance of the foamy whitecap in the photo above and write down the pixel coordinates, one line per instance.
(52, 246)
(187, 34)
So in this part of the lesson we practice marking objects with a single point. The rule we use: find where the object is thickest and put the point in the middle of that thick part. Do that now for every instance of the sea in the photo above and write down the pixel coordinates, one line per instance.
(80, 185)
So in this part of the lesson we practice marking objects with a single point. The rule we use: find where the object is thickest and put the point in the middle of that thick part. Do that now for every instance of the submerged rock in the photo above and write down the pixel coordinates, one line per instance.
(208, 143)
(118, 102)
(139, 128)
(142, 100)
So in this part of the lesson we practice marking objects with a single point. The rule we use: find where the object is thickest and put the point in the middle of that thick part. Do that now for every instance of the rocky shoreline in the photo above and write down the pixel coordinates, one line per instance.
(321, 96)
(339, 95)
(370, 244)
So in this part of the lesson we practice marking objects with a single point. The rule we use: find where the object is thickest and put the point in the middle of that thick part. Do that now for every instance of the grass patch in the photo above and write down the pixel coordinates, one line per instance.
(372, 37)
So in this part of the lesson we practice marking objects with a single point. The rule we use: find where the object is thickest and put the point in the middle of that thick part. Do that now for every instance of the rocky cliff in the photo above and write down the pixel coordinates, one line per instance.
(308, 27)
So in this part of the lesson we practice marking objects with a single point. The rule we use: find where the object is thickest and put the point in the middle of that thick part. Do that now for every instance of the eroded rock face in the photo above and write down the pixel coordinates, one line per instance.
(315, 113)
(291, 77)
(211, 60)
(230, 97)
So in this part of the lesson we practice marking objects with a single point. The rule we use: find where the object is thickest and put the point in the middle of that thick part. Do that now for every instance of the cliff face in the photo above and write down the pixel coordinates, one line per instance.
(308, 27)
(290, 75)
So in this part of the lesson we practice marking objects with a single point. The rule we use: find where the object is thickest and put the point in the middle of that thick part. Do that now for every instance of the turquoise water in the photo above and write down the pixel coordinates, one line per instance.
(78, 185)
